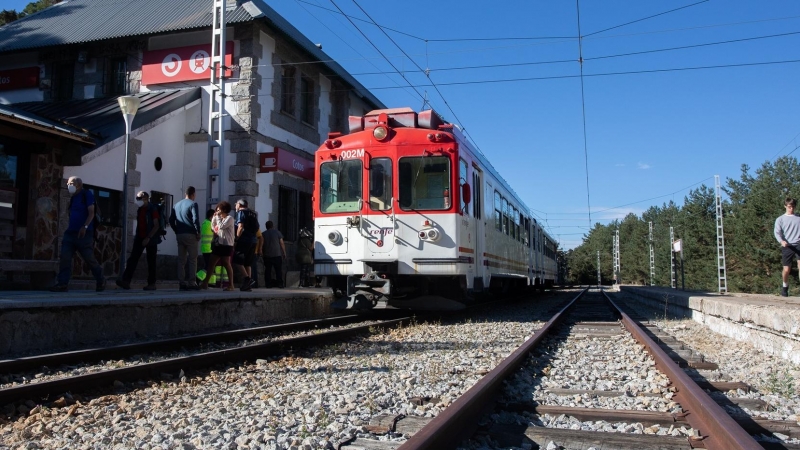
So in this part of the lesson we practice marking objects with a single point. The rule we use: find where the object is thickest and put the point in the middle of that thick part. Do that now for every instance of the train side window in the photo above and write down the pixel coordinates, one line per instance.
(516, 224)
(380, 184)
(498, 215)
(463, 178)
(512, 222)
(476, 194)
(506, 209)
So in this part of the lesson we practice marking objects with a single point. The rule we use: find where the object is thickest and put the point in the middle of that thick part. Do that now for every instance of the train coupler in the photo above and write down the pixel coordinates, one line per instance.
(369, 291)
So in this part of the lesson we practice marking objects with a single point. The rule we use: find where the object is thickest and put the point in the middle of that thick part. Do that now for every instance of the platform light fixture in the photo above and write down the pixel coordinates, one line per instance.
(129, 105)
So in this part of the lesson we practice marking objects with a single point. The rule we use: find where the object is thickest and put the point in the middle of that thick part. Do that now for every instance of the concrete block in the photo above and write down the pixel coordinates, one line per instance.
(242, 173)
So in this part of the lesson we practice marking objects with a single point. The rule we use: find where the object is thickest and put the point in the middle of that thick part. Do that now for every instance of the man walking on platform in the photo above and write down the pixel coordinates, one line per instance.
(185, 222)
(148, 236)
(79, 236)
(787, 232)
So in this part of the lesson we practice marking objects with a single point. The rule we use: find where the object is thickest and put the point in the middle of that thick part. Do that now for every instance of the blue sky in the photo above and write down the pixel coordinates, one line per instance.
(648, 134)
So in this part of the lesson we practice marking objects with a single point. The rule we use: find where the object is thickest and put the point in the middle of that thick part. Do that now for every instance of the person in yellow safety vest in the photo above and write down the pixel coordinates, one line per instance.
(206, 236)
(221, 277)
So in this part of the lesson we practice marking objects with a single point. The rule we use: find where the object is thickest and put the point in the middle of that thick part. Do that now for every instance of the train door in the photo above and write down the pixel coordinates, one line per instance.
(479, 232)
(379, 224)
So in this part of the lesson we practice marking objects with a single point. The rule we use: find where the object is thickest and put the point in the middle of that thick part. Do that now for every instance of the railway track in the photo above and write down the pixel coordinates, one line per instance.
(317, 332)
(676, 413)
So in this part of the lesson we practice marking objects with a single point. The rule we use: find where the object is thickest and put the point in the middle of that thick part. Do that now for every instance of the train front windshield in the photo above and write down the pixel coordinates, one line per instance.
(340, 186)
(424, 182)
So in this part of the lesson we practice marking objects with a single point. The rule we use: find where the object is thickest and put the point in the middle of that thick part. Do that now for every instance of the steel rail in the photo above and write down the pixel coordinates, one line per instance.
(107, 377)
(704, 414)
(447, 429)
(117, 351)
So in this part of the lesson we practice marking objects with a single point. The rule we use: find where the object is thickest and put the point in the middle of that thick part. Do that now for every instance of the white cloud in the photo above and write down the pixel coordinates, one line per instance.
(643, 166)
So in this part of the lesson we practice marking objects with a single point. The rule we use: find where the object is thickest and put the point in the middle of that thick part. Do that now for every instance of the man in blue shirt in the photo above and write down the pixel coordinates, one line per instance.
(79, 236)
(185, 222)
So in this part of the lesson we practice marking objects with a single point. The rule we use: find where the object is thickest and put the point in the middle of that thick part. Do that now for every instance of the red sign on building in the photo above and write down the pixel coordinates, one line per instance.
(288, 162)
(27, 77)
(181, 64)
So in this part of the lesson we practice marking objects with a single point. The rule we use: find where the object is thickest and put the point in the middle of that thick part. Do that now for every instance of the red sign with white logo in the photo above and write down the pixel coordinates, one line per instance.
(27, 77)
(288, 162)
(181, 64)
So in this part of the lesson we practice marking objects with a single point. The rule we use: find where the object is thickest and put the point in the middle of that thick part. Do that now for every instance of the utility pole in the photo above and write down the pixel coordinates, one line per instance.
(617, 263)
(673, 282)
(652, 257)
(721, 272)
(216, 108)
(598, 269)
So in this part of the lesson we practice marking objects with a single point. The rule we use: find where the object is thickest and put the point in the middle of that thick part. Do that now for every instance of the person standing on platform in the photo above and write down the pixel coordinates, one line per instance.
(787, 232)
(222, 223)
(305, 257)
(148, 236)
(206, 236)
(274, 254)
(245, 248)
(257, 257)
(79, 236)
(185, 222)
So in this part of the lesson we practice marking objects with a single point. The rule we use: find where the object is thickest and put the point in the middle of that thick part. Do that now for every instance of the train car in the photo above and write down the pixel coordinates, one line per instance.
(407, 214)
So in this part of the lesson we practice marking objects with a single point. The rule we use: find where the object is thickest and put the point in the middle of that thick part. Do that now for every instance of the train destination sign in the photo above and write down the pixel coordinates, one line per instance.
(27, 77)
(181, 64)
(285, 161)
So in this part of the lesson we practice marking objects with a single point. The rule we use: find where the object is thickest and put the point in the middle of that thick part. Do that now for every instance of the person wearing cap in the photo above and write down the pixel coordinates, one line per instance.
(79, 236)
(147, 238)
(185, 222)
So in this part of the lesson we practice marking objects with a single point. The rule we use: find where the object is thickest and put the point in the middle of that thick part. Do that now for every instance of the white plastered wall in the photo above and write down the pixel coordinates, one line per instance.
(165, 141)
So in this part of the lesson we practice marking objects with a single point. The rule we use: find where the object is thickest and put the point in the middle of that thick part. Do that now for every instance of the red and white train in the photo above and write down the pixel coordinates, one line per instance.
(407, 212)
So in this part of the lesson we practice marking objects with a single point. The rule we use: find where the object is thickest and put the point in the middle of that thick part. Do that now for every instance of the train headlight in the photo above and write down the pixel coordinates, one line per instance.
(335, 237)
(433, 235)
(423, 235)
(380, 133)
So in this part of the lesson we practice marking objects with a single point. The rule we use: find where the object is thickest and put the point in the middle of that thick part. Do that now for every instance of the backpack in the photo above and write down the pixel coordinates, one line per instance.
(162, 220)
(250, 222)
(98, 217)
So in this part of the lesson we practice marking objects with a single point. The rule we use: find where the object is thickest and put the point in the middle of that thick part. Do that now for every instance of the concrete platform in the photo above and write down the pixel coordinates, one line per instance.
(41, 321)
(770, 323)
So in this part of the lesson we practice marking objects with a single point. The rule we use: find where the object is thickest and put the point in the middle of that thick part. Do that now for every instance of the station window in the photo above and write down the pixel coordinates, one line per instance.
(287, 213)
(307, 100)
(288, 93)
(117, 76)
(109, 203)
(63, 80)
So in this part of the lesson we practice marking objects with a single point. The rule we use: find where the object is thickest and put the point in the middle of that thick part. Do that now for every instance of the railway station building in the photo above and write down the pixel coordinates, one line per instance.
(62, 71)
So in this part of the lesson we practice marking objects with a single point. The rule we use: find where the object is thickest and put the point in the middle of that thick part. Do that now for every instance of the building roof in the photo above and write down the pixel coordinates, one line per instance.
(16, 115)
(100, 118)
(83, 21)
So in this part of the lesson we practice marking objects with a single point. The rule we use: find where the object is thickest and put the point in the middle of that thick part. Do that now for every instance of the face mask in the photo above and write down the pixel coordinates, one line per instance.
(139, 203)
(71, 188)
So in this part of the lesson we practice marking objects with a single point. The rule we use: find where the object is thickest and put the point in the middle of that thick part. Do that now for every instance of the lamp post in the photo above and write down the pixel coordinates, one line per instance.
(129, 105)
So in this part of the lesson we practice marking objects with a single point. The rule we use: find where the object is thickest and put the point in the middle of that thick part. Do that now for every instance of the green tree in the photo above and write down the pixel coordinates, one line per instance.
(34, 7)
(7, 16)
(752, 253)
